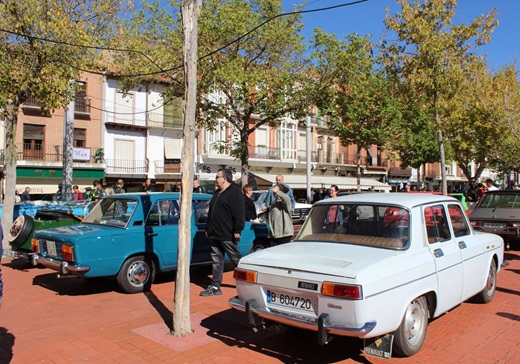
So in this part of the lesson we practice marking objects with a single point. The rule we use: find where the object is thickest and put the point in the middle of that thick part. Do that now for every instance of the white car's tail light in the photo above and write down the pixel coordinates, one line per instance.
(245, 275)
(341, 290)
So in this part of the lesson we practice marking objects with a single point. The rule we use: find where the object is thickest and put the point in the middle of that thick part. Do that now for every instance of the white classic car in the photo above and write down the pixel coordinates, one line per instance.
(373, 266)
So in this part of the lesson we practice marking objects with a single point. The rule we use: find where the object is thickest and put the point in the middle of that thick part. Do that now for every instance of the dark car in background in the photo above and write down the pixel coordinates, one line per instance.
(498, 212)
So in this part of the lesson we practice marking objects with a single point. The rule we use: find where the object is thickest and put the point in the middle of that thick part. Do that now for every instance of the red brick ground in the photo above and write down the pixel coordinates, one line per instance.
(45, 319)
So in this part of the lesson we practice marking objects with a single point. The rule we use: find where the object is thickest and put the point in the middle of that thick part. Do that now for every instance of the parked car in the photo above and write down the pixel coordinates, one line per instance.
(22, 231)
(300, 213)
(383, 272)
(498, 212)
(132, 236)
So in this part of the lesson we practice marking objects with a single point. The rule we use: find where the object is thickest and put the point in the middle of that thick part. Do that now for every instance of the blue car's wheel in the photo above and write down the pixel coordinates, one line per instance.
(136, 275)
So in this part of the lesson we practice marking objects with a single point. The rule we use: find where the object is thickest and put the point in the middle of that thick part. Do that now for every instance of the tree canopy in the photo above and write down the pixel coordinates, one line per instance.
(44, 45)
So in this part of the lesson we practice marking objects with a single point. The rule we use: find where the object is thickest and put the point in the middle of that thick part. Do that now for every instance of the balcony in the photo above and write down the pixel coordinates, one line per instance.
(51, 153)
(126, 166)
(158, 120)
(81, 107)
(168, 166)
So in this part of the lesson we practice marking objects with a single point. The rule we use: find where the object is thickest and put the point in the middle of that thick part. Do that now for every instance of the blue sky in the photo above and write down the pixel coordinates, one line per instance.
(367, 18)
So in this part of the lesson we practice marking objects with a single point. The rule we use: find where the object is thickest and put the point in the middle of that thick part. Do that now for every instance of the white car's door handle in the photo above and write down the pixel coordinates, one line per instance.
(462, 245)
(438, 253)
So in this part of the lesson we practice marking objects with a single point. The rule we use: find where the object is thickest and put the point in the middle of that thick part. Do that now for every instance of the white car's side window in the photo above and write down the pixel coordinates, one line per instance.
(436, 224)
(458, 222)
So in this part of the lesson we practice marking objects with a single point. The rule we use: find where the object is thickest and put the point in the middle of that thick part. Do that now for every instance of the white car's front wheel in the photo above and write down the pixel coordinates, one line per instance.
(487, 294)
(410, 335)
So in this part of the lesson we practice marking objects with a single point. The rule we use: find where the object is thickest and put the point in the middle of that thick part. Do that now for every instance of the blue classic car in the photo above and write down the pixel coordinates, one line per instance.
(132, 236)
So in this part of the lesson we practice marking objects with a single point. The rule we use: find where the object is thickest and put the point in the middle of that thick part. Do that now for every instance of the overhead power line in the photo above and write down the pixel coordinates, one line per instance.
(165, 71)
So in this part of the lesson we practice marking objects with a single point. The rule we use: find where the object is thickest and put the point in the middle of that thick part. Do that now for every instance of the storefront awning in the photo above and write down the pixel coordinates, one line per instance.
(299, 181)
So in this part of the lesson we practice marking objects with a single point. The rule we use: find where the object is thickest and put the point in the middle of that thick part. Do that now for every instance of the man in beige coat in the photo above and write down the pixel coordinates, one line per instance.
(281, 228)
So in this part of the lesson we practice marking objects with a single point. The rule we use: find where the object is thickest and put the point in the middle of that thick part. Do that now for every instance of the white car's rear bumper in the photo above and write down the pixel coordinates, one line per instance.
(322, 324)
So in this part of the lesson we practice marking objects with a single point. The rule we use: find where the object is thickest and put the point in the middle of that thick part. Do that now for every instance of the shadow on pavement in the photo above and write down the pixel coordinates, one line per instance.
(508, 315)
(6, 345)
(22, 264)
(290, 345)
(162, 310)
(74, 286)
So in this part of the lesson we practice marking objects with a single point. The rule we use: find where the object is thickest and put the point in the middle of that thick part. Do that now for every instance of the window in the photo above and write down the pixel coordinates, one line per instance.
(81, 104)
(458, 222)
(436, 224)
(173, 113)
(164, 213)
(33, 141)
(124, 108)
(79, 137)
(287, 140)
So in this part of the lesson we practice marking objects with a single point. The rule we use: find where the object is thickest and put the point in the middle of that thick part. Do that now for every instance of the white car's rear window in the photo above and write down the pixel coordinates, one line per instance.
(372, 225)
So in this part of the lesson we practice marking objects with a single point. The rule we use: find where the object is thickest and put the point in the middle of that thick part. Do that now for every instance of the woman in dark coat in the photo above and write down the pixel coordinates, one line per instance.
(250, 205)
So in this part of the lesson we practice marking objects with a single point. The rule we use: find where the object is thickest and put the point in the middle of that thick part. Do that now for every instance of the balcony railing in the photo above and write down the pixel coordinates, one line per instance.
(126, 166)
(49, 153)
(81, 105)
(158, 120)
(167, 167)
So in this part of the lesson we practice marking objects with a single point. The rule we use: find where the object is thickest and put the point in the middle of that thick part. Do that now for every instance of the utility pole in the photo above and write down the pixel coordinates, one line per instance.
(68, 147)
(308, 156)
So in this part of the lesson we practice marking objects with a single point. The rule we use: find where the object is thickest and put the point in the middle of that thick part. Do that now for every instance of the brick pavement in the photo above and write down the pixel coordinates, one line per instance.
(45, 319)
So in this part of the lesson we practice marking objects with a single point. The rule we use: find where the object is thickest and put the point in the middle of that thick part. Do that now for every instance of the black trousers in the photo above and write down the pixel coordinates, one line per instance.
(218, 249)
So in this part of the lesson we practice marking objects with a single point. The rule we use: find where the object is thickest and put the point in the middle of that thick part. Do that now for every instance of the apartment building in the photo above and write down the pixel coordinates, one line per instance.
(40, 140)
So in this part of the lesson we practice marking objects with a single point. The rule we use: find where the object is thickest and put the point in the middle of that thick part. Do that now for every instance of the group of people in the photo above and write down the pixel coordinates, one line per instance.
(229, 209)
(475, 191)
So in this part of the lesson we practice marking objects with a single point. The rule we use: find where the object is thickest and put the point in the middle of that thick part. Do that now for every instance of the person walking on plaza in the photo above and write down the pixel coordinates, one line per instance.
(281, 229)
(1, 253)
(76, 193)
(491, 185)
(226, 220)
(270, 198)
(151, 185)
(334, 217)
(250, 205)
(17, 198)
(26, 195)
(119, 186)
(472, 191)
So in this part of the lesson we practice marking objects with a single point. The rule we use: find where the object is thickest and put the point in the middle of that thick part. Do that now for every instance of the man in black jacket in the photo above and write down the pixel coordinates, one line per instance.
(226, 220)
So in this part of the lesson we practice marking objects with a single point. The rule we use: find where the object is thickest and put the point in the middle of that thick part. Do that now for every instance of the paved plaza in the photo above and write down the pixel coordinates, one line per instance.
(46, 319)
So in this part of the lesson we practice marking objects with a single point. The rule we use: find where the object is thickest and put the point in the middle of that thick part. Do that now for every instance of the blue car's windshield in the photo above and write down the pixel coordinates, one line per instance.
(112, 211)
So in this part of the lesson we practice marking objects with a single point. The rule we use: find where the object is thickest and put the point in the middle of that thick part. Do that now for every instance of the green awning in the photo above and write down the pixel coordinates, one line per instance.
(58, 173)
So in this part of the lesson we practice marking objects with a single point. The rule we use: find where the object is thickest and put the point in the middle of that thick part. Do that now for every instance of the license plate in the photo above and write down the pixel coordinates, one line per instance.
(494, 225)
(287, 300)
(51, 248)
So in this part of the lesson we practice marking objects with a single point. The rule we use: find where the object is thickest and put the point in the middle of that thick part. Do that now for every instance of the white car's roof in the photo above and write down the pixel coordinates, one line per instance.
(408, 200)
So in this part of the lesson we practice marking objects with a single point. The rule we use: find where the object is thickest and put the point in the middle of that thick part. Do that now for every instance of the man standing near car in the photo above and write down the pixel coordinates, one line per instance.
(270, 199)
(226, 220)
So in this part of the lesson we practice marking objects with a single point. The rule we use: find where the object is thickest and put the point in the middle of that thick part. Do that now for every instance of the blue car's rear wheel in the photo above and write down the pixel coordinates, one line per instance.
(136, 274)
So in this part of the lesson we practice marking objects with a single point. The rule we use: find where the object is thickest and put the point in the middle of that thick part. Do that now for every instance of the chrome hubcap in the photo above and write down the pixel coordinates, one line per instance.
(413, 321)
(138, 273)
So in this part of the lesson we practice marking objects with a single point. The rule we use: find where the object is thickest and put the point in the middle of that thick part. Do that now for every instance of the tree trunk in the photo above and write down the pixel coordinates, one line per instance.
(68, 145)
(358, 172)
(444, 182)
(11, 121)
(181, 304)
